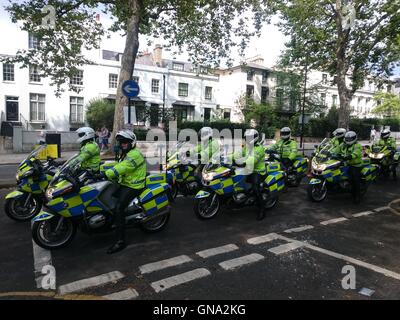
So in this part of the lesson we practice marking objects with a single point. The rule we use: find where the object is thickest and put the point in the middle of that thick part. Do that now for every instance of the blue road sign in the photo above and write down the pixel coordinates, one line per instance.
(130, 89)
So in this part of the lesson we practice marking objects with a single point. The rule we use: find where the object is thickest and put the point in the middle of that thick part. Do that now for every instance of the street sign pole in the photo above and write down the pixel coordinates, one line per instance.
(129, 110)
(130, 89)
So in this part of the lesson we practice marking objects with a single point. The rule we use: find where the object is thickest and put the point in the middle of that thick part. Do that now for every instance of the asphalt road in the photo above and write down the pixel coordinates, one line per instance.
(306, 263)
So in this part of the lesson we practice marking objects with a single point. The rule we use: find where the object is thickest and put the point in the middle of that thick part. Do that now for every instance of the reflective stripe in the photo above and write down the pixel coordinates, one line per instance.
(115, 171)
(134, 162)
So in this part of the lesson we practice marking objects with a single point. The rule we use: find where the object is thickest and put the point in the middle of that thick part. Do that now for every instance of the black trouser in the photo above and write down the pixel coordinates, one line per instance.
(124, 195)
(287, 163)
(256, 179)
(355, 180)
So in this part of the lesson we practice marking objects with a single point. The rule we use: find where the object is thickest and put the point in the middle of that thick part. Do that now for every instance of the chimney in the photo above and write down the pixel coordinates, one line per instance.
(157, 55)
(258, 59)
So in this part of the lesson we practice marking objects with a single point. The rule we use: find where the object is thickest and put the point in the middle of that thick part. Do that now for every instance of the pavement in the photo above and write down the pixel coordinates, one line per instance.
(301, 250)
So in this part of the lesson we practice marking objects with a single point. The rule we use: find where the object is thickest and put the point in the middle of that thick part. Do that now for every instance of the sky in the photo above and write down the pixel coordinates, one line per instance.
(269, 45)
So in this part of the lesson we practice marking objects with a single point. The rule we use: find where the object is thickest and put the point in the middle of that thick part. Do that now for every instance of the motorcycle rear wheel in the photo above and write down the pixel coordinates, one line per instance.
(155, 225)
(44, 236)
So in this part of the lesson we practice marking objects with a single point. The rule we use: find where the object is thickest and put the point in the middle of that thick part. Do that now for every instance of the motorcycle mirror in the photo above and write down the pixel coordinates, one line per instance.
(315, 146)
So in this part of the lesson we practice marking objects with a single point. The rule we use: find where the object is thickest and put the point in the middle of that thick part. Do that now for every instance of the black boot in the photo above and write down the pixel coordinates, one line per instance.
(261, 214)
(116, 247)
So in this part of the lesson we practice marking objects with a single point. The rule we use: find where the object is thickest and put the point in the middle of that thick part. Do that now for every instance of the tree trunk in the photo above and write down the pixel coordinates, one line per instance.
(345, 94)
(127, 63)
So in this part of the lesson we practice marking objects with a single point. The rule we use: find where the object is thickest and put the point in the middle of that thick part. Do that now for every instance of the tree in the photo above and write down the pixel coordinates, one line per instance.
(344, 37)
(208, 29)
(99, 113)
(388, 104)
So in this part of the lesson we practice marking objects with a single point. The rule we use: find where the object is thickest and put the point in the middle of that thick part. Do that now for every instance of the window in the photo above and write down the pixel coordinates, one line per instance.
(76, 109)
(250, 92)
(279, 97)
(324, 78)
(264, 76)
(177, 66)
(183, 90)
(33, 42)
(136, 79)
(334, 100)
(208, 94)
(250, 75)
(323, 99)
(37, 107)
(227, 114)
(34, 74)
(77, 79)
(12, 110)
(264, 94)
(8, 72)
(113, 81)
(155, 86)
(207, 114)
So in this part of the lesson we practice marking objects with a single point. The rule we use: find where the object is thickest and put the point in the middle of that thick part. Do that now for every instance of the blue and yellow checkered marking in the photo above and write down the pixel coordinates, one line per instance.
(275, 181)
(154, 200)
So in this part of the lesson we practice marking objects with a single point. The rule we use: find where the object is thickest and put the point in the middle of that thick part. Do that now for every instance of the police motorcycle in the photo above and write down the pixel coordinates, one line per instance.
(181, 173)
(33, 177)
(295, 173)
(386, 159)
(331, 174)
(223, 184)
(76, 201)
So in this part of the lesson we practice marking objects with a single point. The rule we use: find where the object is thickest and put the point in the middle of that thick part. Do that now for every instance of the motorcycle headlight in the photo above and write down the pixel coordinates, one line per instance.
(49, 193)
(208, 176)
(319, 167)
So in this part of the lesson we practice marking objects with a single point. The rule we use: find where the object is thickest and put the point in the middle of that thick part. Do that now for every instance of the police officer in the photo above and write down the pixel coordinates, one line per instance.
(206, 149)
(254, 156)
(89, 155)
(390, 144)
(338, 137)
(131, 174)
(351, 152)
(285, 147)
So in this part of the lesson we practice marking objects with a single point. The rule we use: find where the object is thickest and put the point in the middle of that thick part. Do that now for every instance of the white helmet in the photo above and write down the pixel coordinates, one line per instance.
(126, 136)
(350, 138)
(206, 133)
(85, 133)
(286, 133)
(251, 136)
(339, 133)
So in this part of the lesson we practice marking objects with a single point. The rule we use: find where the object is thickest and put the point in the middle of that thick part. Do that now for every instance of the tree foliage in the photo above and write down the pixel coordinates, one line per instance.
(353, 38)
(99, 113)
(208, 29)
(388, 104)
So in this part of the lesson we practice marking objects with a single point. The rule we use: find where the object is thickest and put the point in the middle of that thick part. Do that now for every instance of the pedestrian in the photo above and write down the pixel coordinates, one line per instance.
(104, 141)
(372, 135)
(42, 135)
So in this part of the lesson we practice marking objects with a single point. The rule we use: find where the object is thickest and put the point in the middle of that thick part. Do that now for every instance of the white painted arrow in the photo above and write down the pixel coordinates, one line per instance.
(129, 89)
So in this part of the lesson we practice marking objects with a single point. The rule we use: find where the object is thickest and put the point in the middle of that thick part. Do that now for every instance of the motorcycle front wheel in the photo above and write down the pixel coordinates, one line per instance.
(54, 233)
(21, 210)
(317, 192)
(207, 208)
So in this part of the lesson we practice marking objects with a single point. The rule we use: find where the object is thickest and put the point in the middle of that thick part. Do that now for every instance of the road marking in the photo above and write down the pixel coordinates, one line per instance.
(216, 251)
(90, 282)
(127, 294)
(362, 214)
(159, 265)
(179, 279)
(41, 258)
(262, 239)
(381, 209)
(284, 248)
(238, 262)
(351, 260)
(299, 229)
(324, 223)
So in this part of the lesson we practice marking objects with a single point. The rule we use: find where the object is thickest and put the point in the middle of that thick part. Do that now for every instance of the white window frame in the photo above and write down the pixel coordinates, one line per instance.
(34, 74)
(177, 66)
(77, 79)
(9, 71)
(113, 80)
(76, 104)
(33, 42)
(35, 103)
(182, 92)
(155, 85)
(208, 94)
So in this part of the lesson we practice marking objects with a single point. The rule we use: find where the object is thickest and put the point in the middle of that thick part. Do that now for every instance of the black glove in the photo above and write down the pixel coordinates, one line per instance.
(100, 176)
